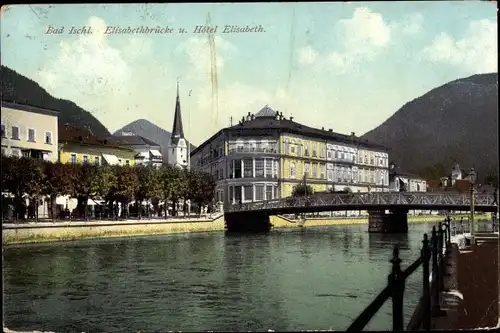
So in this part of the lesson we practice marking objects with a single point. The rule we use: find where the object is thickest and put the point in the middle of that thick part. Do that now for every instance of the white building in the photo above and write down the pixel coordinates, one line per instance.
(148, 152)
(178, 154)
(401, 181)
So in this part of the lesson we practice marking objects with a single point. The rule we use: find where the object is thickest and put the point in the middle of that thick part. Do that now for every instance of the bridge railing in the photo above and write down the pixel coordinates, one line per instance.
(359, 199)
(433, 251)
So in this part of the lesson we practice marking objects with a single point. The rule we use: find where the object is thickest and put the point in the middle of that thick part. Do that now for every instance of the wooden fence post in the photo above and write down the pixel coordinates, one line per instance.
(397, 285)
(426, 297)
(441, 264)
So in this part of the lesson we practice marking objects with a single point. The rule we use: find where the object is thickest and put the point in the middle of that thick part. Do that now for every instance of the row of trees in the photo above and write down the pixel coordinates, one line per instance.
(113, 184)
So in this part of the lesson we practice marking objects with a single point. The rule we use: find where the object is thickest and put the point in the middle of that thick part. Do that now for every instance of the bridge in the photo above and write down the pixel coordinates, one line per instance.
(254, 216)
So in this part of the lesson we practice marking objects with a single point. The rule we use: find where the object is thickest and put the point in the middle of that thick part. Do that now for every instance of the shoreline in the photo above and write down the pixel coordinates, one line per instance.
(53, 232)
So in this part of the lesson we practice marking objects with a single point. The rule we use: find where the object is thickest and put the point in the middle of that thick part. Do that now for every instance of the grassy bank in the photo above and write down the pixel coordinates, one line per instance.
(67, 232)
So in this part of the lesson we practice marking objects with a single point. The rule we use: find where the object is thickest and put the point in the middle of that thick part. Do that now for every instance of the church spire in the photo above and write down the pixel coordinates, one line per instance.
(177, 131)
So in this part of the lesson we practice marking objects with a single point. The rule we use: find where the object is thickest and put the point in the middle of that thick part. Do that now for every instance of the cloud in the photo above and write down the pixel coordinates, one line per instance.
(199, 54)
(307, 55)
(476, 51)
(412, 24)
(96, 67)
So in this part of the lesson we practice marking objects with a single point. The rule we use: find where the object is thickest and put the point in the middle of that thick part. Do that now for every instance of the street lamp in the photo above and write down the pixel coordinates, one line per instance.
(472, 178)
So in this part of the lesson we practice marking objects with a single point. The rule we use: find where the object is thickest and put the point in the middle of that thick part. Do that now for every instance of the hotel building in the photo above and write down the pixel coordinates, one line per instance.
(265, 155)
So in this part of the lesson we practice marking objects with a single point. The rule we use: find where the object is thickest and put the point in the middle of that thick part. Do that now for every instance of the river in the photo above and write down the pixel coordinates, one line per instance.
(314, 278)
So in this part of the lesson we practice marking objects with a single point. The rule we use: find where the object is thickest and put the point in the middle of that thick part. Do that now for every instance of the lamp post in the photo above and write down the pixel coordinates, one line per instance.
(472, 177)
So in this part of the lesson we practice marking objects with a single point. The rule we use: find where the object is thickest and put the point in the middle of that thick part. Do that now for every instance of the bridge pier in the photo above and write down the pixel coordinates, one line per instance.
(249, 222)
(394, 222)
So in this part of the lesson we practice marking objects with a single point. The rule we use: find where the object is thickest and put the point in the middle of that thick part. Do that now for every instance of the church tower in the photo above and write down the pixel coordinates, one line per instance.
(178, 153)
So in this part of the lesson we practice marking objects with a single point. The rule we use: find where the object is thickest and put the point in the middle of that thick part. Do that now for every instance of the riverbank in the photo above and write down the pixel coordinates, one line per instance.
(67, 231)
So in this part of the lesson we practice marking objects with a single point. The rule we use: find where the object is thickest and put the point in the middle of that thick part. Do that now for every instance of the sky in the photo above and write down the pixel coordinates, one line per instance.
(345, 65)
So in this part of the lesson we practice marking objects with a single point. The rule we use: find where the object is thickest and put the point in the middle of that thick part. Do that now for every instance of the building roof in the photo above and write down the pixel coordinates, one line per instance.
(177, 130)
(71, 134)
(266, 111)
(29, 108)
(264, 121)
(131, 140)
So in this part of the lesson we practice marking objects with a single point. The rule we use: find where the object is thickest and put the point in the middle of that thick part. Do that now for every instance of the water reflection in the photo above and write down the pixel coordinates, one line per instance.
(315, 278)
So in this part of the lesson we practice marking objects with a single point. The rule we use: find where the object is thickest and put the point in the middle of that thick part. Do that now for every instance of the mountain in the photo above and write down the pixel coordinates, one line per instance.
(454, 123)
(19, 89)
(151, 132)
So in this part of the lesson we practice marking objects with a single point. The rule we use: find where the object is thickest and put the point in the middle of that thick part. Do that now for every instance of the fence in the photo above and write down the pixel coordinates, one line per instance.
(433, 250)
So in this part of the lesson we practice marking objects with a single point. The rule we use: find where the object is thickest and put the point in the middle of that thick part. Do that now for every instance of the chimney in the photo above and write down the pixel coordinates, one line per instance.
(322, 128)
(330, 130)
(291, 118)
(242, 119)
(353, 134)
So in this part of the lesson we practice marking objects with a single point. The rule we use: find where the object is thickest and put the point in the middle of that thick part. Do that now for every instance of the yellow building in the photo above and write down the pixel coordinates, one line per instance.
(265, 155)
(302, 156)
(79, 147)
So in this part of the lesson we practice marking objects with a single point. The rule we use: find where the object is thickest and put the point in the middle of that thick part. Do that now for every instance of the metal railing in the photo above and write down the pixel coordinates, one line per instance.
(433, 251)
(412, 200)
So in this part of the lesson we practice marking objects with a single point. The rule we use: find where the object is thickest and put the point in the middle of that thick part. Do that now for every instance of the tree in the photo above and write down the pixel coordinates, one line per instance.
(148, 185)
(434, 172)
(201, 188)
(60, 179)
(301, 190)
(87, 185)
(172, 187)
(22, 176)
(125, 187)
(491, 178)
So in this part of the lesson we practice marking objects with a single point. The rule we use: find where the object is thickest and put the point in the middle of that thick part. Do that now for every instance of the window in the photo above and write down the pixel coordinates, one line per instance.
(306, 149)
(48, 138)
(119, 162)
(269, 192)
(4, 134)
(353, 158)
(259, 192)
(286, 147)
(247, 168)
(315, 152)
(248, 192)
(15, 133)
(269, 168)
(276, 193)
(4, 151)
(73, 158)
(307, 168)
(314, 171)
(299, 149)
(237, 193)
(342, 156)
(96, 160)
(292, 170)
(231, 194)
(336, 154)
(259, 168)
(127, 162)
(237, 169)
(85, 159)
(330, 175)
(31, 134)
(322, 170)
(372, 162)
(329, 154)
(292, 149)
(276, 169)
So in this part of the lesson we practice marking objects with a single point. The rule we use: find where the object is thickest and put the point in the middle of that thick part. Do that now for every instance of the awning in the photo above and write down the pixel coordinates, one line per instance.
(155, 153)
(110, 159)
(405, 181)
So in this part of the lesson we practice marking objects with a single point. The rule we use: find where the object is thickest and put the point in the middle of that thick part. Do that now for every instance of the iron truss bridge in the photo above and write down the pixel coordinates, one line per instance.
(369, 201)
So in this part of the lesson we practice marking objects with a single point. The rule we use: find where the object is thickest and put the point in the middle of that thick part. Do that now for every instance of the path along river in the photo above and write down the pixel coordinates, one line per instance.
(314, 278)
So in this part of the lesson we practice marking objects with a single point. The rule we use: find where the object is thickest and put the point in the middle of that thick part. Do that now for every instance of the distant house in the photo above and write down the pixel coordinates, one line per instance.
(456, 182)
(78, 146)
(401, 181)
(147, 151)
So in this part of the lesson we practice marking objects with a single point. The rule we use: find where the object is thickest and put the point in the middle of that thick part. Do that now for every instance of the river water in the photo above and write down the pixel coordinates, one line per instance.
(314, 278)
